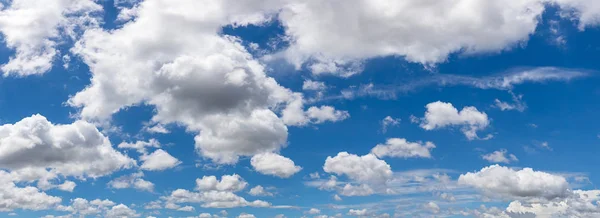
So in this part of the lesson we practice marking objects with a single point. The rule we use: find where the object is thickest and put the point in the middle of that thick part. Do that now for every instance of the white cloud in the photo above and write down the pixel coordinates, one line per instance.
(76, 149)
(68, 186)
(134, 180)
(313, 211)
(440, 114)
(158, 160)
(501, 181)
(34, 31)
(337, 197)
(367, 168)
(158, 128)
(389, 121)
(274, 164)
(190, 73)
(120, 211)
(27, 198)
(230, 183)
(295, 115)
(399, 147)
(214, 194)
(246, 215)
(371, 30)
(259, 191)
(83, 207)
(186, 208)
(356, 212)
(432, 207)
(313, 85)
(314, 175)
(358, 190)
(579, 204)
(517, 104)
(140, 146)
(500, 157)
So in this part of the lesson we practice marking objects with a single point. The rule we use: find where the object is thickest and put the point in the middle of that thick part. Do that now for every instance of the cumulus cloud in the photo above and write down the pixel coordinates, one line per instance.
(356, 212)
(441, 114)
(580, 204)
(83, 207)
(500, 157)
(259, 191)
(134, 180)
(35, 30)
(367, 168)
(78, 149)
(197, 78)
(399, 147)
(501, 181)
(158, 160)
(373, 32)
(274, 164)
(26, 198)
(120, 211)
(431, 207)
(231, 183)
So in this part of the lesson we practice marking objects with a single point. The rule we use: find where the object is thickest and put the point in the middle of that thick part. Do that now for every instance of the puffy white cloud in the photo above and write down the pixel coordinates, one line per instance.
(214, 194)
(190, 73)
(134, 180)
(295, 115)
(259, 191)
(313, 211)
(68, 186)
(83, 207)
(120, 211)
(186, 208)
(158, 160)
(372, 29)
(440, 114)
(399, 147)
(501, 181)
(389, 121)
(391, 28)
(34, 30)
(231, 183)
(500, 157)
(155, 161)
(76, 149)
(356, 212)
(580, 204)
(213, 199)
(27, 198)
(432, 207)
(366, 168)
(274, 164)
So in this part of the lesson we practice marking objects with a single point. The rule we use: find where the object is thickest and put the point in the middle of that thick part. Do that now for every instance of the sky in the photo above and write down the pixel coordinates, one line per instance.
(299, 108)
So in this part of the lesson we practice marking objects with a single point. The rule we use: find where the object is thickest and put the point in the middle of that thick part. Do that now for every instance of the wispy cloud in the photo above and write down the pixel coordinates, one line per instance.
(503, 81)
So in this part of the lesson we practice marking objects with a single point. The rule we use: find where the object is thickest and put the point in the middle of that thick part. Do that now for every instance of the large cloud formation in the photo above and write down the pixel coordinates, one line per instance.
(178, 63)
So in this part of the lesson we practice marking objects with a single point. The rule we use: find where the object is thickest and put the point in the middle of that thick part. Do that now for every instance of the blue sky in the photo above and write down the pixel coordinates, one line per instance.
(299, 108)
